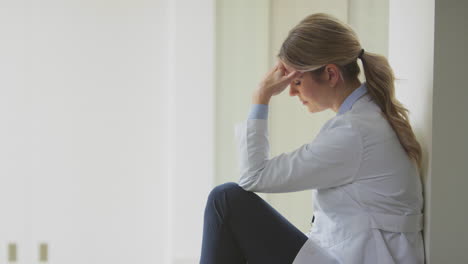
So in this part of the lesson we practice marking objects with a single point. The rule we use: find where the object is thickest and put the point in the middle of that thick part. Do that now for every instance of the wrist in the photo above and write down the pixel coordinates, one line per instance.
(261, 98)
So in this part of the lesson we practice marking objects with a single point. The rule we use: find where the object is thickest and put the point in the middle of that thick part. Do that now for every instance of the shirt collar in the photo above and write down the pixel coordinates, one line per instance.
(352, 98)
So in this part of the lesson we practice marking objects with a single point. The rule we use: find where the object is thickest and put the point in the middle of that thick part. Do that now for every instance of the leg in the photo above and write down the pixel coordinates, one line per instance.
(239, 226)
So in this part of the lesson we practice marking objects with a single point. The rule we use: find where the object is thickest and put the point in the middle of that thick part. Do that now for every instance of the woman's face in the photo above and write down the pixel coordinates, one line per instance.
(315, 96)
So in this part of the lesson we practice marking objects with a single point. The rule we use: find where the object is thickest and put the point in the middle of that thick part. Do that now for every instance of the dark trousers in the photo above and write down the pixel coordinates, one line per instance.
(239, 227)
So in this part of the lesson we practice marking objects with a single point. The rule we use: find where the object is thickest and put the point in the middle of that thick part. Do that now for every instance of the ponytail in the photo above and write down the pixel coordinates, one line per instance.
(380, 83)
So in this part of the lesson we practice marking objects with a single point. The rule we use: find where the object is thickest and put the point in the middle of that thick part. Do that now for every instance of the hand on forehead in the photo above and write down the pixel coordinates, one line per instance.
(287, 68)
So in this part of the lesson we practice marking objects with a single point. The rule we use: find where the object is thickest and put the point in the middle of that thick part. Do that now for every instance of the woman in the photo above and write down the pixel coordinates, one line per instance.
(362, 166)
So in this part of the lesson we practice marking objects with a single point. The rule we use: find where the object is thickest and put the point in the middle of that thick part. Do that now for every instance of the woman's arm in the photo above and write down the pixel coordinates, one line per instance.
(330, 160)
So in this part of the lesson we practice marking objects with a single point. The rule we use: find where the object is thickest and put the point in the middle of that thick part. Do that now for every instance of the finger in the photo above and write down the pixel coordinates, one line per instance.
(291, 75)
(287, 78)
(285, 70)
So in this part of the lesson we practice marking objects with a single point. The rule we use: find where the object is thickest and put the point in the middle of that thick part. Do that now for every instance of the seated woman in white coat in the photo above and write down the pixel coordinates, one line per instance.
(363, 166)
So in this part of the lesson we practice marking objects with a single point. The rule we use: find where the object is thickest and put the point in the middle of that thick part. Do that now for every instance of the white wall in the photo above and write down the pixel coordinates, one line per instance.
(80, 112)
(411, 55)
(106, 128)
(191, 124)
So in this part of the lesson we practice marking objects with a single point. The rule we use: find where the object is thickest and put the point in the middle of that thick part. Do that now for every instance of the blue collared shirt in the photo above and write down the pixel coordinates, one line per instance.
(260, 111)
(352, 98)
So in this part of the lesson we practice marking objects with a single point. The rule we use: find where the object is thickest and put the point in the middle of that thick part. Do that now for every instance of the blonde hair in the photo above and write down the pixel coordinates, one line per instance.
(321, 39)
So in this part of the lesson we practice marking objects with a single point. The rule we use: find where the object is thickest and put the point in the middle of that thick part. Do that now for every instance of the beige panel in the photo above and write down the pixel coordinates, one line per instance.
(369, 18)
(12, 252)
(241, 60)
(43, 252)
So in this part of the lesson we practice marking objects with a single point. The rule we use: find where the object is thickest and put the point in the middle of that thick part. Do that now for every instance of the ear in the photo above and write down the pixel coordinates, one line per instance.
(332, 73)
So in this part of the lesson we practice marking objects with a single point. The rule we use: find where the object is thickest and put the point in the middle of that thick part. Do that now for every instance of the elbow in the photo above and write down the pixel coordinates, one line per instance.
(251, 179)
(249, 182)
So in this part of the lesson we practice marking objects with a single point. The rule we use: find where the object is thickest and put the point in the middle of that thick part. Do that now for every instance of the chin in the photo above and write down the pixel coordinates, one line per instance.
(314, 110)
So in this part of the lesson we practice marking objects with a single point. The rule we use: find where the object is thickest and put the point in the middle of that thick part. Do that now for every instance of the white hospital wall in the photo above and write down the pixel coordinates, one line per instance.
(411, 55)
(192, 119)
(106, 129)
(80, 119)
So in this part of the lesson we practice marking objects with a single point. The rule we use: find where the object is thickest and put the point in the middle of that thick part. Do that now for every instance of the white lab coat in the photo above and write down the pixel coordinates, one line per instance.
(366, 191)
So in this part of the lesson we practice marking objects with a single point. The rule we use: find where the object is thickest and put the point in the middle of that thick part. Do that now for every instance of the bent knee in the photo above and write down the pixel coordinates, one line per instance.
(228, 187)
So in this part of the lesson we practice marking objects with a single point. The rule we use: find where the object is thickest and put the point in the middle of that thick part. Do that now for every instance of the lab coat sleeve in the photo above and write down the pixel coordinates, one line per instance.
(331, 159)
